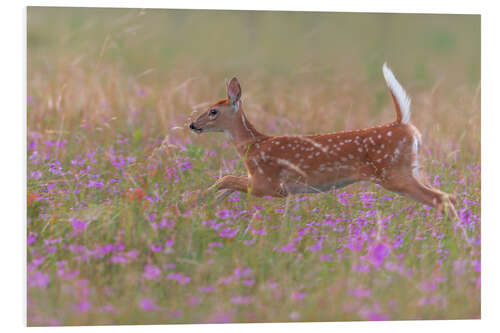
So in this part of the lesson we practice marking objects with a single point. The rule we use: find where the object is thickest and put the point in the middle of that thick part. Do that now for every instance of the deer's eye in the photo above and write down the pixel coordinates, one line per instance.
(213, 112)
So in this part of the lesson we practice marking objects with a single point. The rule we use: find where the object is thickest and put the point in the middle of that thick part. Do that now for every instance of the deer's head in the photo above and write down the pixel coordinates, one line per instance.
(220, 117)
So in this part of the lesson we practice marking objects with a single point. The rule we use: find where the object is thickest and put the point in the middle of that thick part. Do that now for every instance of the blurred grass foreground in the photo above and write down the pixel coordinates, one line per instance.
(111, 166)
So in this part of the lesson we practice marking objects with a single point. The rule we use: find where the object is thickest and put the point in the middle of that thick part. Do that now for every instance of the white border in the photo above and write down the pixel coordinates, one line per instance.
(13, 133)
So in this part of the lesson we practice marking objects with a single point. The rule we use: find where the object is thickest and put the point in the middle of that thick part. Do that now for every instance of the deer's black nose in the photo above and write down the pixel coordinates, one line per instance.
(195, 129)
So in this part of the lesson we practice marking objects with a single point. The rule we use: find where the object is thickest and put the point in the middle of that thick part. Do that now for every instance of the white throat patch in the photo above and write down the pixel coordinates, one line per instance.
(236, 106)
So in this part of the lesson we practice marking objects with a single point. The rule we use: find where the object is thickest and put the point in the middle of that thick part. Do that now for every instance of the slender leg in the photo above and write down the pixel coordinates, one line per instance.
(424, 180)
(422, 177)
(418, 191)
(230, 183)
(220, 197)
(449, 199)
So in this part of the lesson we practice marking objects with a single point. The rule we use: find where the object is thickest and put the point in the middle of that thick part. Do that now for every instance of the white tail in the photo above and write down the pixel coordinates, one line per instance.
(401, 98)
(283, 165)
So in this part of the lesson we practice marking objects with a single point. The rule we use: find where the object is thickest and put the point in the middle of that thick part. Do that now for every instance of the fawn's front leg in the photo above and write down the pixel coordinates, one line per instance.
(228, 183)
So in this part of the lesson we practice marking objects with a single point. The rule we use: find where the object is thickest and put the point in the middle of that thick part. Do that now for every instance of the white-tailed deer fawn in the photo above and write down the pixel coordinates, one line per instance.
(283, 165)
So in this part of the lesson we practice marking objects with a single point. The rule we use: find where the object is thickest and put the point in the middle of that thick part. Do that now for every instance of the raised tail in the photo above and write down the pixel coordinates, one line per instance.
(399, 96)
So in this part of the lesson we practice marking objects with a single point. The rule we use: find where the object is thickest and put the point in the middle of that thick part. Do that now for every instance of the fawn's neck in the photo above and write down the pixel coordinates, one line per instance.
(243, 133)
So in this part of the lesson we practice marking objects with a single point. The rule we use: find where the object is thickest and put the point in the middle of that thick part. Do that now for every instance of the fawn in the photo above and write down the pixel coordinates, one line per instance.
(279, 166)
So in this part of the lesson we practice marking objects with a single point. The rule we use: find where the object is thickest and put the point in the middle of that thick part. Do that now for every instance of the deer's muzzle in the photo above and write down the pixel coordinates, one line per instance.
(193, 128)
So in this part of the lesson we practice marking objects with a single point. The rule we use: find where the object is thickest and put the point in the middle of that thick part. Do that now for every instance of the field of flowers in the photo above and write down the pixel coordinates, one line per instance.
(112, 166)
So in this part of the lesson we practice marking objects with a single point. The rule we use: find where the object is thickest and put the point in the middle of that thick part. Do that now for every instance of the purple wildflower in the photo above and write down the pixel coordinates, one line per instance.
(78, 225)
(182, 279)
(436, 181)
(156, 248)
(367, 198)
(298, 296)
(224, 214)
(221, 317)
(108, 308)
(152, 272)
(83, 306)
(66, 275)
(186, 166)
(261, 232)
(249, 242)
(374, 315)
(359, 292)
(37, 174)
(317, 247)
(378, 254)
(362, 268)
(148, 304)
(234, 197)
(288, 248)
(228, 232)
(249, 282)
(207, 289)
(239, 273)
(326, 257)
(31, 238)
(241, 300)
(169, 243)
(343, 197)
(38, 279)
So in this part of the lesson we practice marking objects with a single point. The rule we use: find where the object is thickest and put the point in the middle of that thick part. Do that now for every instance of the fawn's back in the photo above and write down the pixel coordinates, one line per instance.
(314, 163)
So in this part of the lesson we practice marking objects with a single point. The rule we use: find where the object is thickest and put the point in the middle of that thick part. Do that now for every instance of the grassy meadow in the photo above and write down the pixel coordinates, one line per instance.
(111, 167)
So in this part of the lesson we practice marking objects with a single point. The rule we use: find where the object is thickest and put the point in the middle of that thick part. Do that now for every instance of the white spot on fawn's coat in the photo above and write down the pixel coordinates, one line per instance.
(292, 166)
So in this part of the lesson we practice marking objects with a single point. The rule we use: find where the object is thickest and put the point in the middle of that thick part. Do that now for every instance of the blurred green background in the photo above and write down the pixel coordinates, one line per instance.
(278, 43)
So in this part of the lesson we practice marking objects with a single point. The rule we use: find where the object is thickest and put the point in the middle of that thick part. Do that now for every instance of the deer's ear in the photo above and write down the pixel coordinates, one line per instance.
(233, 91)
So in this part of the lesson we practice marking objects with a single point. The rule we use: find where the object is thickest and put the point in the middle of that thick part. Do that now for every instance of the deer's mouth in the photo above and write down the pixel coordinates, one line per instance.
(195, 129)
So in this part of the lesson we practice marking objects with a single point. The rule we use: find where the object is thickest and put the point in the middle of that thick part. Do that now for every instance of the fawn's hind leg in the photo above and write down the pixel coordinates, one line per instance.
(417, 190)
(424, 180)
